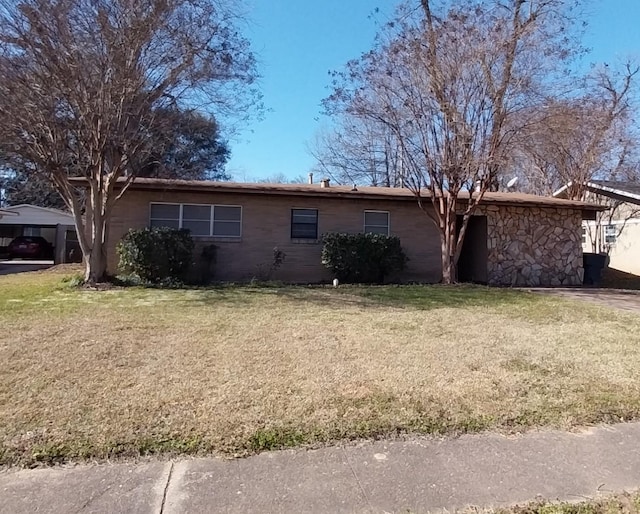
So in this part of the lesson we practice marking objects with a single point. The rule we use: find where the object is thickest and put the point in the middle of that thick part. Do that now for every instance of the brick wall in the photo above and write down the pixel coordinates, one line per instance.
(266, 222)
(526, 245)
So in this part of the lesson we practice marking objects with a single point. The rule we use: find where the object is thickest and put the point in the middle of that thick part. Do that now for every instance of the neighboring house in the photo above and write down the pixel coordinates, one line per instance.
(4, 212)
(615, 231)
(30, 220)
(514, 239)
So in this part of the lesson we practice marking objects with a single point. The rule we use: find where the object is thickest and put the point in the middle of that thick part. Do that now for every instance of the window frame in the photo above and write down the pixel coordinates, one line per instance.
(317, 223)
(212, 210)
(606, 228)
(364, 220)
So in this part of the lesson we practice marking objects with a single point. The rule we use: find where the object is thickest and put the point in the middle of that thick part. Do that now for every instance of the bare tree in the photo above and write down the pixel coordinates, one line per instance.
(280, 178)
(80, 81)
(448, 79)
(357, 151)
(590, 135)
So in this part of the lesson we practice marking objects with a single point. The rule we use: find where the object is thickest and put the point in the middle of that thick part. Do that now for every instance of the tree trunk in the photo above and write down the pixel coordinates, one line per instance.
(95, 256)
(449, 269)
(448, 239)
(95, 266)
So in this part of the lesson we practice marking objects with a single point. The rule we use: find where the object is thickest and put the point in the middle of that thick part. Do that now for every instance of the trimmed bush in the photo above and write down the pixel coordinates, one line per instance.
(362, 258)
(156, 255)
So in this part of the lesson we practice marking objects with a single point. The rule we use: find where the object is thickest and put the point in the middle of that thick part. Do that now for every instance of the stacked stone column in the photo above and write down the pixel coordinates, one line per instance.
(534, 246)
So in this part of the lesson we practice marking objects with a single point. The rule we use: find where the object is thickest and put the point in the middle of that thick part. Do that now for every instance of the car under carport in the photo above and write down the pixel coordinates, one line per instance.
(56, 226)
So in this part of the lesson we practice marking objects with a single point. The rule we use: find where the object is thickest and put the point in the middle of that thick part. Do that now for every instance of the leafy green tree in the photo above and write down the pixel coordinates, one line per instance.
(189, 147)
(192, 149)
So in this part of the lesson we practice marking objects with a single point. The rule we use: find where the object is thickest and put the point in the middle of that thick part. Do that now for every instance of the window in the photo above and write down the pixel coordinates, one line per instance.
(197, 219)
(165, 215)
(31, 231)
(200, 220)
(610, 234)
(304, 223)
(376, 222)
(584, 236)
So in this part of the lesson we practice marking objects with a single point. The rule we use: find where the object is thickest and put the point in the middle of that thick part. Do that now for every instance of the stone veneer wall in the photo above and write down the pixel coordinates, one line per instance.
(534, 246)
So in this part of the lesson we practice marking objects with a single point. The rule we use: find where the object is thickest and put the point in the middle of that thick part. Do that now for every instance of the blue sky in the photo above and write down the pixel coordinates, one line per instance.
(298, 42)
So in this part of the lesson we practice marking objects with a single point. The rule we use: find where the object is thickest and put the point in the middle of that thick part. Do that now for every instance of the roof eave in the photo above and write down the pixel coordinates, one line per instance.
(618, 193)
(334, 192)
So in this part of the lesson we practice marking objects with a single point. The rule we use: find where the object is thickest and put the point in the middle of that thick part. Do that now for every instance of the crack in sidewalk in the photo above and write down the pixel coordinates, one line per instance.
(355, 475)
(166, 489)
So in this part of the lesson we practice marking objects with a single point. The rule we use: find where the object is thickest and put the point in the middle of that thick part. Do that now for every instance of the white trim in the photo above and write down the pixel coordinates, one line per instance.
(630, 221)
(618, 192)
(364, 221)
(561, 190)
(599, 187)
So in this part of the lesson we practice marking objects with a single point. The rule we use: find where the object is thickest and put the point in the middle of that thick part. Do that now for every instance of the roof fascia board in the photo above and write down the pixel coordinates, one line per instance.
(595, 188)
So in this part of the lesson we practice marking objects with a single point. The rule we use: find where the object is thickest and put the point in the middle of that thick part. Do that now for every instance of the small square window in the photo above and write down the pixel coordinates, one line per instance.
(304, 224)
(610, 234)
(376, 222)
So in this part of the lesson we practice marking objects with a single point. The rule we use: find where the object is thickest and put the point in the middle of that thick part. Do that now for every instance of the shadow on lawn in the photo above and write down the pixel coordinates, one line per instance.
(423, 297)
(616, 279)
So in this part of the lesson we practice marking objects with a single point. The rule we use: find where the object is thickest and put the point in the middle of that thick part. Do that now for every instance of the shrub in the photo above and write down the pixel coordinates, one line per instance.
(156, 255)
(362, 258)
(265, 271)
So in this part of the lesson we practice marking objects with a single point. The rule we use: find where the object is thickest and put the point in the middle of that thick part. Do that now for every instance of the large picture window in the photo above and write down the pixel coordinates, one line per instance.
(376, 222)
(200, 220)
(304, 224)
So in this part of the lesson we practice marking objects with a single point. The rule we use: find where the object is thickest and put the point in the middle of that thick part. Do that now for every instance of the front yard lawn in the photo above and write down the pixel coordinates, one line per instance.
(236, 370)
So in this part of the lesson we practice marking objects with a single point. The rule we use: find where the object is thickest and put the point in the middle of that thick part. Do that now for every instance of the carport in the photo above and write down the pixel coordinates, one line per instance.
(54, 225)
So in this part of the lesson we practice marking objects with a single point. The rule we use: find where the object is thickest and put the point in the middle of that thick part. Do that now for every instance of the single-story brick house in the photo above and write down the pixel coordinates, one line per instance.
(514, 239)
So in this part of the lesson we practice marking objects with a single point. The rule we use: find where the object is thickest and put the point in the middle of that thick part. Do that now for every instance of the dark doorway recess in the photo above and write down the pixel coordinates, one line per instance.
(472, 266)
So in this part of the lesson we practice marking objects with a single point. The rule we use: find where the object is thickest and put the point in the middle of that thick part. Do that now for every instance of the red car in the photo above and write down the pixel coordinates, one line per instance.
(30, 247)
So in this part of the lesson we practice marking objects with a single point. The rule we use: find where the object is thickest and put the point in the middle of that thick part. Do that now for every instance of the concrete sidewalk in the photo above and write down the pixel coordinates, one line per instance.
(419, 475)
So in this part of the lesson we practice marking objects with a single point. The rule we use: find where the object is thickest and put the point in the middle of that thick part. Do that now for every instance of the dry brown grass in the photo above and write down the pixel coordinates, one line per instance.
(99, 374)
(625, 503)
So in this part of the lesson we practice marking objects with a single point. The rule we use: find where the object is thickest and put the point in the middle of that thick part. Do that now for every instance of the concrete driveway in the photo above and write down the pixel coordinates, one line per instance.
(625, 299)
(19, 266)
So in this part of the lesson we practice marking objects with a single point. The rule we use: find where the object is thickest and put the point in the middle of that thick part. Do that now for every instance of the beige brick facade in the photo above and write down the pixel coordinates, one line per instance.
(266, 223)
